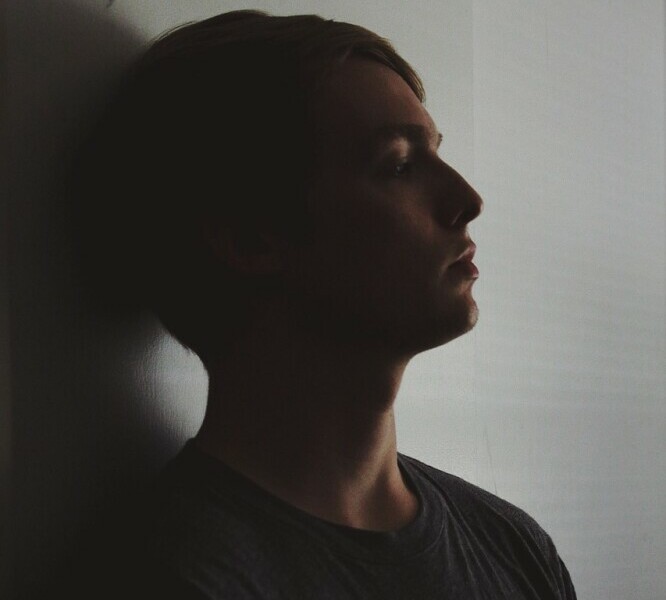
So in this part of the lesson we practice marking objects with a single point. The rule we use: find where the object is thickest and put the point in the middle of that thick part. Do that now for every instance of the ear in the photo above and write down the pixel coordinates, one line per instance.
(249, 252)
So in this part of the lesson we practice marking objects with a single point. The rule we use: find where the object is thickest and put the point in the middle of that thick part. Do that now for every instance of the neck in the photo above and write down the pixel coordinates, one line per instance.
(313, 424)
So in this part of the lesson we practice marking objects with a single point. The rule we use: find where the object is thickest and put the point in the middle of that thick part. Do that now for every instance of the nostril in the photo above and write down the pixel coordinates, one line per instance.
(470, 208)
(476, 207)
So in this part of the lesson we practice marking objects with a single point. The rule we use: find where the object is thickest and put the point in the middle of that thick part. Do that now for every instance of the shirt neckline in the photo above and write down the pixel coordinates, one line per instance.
(399, 545)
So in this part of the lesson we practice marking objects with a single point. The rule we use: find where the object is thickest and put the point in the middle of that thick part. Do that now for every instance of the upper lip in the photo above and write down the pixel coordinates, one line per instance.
(468, 253)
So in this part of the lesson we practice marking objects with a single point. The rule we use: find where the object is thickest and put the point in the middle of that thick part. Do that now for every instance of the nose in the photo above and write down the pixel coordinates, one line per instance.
(460, 201)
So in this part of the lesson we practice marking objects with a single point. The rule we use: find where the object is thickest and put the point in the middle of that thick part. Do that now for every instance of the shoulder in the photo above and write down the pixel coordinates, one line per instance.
(184, 535)
(208, 528)
(473, 503)
(495, 523)
(197, 509)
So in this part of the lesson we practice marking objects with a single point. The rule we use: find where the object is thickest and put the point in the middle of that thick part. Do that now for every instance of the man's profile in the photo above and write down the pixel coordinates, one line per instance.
(281, 206)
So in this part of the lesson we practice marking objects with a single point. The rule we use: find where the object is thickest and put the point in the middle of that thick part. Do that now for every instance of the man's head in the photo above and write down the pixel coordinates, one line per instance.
(230, 168)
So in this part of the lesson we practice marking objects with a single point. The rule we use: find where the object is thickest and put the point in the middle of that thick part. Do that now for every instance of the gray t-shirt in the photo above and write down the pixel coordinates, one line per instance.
(214, 534)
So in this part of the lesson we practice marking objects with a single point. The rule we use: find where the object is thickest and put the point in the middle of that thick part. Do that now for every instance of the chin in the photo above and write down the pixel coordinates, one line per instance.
(470, 315)
(441, 330)
(455, 329)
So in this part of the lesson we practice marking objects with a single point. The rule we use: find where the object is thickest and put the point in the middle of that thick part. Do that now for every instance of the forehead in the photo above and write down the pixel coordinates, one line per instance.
(365, 102)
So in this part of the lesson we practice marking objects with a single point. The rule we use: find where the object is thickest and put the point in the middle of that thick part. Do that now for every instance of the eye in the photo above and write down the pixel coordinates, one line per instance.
(402, 168)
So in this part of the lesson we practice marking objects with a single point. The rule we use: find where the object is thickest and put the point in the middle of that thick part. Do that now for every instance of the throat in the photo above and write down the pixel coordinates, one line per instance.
(332, 475)
(312, 423)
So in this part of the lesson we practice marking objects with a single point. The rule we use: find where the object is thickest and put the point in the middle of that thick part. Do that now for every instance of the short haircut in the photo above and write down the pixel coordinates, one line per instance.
(213, 122)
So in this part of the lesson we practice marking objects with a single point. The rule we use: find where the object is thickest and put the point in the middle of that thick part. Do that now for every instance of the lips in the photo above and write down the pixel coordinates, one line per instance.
(464, 265)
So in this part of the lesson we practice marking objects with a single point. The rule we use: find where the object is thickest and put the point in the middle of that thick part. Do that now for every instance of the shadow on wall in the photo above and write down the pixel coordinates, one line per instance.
(83, 429)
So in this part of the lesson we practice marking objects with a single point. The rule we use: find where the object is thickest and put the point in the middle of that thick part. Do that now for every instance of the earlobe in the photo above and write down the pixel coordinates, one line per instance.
(246, 252)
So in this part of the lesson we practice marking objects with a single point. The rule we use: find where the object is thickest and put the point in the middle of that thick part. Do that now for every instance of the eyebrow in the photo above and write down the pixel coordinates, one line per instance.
(417, 134)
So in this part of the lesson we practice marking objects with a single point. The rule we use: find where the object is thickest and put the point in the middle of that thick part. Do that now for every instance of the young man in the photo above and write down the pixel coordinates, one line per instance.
(287, 216)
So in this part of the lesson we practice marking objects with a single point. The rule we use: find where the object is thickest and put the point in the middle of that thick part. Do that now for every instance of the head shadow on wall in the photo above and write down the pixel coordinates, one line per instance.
(89, 421)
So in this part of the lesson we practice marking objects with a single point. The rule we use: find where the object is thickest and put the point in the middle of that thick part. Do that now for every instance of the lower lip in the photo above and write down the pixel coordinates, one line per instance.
(466, 268)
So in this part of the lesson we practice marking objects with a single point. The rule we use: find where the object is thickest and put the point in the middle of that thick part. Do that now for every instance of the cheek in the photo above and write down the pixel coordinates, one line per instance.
(380, 246)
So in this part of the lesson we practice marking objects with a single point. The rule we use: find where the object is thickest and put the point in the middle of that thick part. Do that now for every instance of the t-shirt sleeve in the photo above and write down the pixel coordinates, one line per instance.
(554, 567)
(567, 590)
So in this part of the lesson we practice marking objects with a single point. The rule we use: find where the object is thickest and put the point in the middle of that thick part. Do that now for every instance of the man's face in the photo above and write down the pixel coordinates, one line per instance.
(390, 219)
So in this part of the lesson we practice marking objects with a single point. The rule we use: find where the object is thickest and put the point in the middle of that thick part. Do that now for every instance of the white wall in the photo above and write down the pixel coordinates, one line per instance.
(553, 110)
(569, 150)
